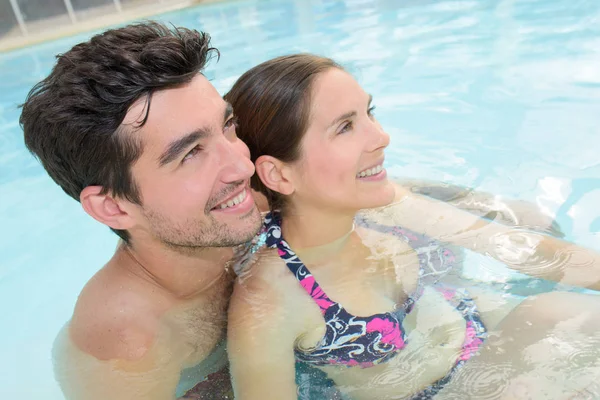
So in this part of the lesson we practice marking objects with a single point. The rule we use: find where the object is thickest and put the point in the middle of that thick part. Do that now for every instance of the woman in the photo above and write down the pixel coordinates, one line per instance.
(406, 328)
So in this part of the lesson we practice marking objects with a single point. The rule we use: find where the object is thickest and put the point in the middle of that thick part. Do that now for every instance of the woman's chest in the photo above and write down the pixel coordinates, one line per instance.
(361, 292)
(435, 334)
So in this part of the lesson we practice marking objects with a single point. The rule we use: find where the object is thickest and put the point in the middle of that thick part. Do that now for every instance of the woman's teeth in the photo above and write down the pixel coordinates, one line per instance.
(369, 172)
(235, 201)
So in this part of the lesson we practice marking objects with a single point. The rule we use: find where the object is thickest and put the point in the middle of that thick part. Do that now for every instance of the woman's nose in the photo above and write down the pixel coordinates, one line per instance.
(378, 138)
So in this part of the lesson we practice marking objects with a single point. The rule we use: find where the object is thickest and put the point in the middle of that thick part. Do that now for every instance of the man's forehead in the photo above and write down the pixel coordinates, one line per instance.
(174, 113)
(191, 100)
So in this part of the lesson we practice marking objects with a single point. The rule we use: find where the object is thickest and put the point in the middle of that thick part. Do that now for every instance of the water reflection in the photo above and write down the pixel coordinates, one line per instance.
(501, 95)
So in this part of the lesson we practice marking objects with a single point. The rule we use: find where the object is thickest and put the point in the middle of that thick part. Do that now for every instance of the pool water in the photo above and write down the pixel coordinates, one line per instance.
(501, 95)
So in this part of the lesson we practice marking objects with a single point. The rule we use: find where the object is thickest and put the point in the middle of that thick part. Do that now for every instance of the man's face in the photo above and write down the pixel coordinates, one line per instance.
(193, 174)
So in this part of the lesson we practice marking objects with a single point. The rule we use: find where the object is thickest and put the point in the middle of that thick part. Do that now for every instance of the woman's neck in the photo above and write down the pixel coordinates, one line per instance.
(310, 227)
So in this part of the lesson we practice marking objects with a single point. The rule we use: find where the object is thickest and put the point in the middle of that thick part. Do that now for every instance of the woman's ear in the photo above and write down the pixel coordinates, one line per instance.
(274, 174)
(104, 208)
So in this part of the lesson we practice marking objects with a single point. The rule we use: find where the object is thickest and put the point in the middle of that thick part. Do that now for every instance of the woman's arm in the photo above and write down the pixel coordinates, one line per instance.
(523, 250)
(509, 212)
(260, 344)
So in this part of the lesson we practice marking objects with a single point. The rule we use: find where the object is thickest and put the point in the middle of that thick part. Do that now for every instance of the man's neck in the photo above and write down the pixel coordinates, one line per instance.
(183, 275)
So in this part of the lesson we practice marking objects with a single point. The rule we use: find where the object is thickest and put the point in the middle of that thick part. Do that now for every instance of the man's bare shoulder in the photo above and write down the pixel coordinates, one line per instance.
(115, 318)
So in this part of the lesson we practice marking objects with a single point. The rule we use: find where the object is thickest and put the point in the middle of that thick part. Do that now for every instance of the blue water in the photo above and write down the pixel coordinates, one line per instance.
(502, 95)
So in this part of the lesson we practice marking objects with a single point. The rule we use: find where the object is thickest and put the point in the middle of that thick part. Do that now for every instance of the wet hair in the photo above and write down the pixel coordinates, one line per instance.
(72, 120)
(272, 103)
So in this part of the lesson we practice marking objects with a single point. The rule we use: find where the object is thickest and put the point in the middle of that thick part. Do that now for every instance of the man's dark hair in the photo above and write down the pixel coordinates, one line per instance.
(72, 119)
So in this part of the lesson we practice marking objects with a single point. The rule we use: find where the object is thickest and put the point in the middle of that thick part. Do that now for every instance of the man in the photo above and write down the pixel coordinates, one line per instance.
(127, 125)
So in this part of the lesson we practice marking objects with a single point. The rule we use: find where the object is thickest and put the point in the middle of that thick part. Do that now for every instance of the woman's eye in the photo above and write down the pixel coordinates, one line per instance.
(346, 127)
(371, 111)
(191, 153)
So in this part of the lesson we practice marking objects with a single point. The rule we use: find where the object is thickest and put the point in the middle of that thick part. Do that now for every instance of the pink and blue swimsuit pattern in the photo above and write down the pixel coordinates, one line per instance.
(365, 341)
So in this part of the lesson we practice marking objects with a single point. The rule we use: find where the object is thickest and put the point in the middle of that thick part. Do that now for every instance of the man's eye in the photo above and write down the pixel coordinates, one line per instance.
(231, 123)
(192, 153)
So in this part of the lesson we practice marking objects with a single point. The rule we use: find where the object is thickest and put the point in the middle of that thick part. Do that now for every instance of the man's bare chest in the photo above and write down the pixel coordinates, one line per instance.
(197, 326)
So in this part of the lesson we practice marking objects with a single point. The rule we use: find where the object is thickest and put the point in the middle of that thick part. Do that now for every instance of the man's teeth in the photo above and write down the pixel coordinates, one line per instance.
(235, 201)
(369, 172)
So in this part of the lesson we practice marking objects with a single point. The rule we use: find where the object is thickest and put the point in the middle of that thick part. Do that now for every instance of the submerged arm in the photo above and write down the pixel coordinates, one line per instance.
(509, 212)
(523, 250)
(84, 377)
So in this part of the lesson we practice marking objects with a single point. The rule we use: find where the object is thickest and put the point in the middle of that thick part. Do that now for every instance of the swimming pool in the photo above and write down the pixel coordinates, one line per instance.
(502, 95)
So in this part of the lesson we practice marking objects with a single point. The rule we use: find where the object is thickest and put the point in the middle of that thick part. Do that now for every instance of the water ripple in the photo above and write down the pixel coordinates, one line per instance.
(536, 255)
(482, 383)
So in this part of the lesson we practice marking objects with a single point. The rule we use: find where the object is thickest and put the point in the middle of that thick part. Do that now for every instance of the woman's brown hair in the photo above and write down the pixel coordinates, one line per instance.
(272, 104)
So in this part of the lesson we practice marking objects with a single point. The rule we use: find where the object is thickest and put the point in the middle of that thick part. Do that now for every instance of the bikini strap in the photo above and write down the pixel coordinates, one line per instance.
(274, 240)
(436, 259)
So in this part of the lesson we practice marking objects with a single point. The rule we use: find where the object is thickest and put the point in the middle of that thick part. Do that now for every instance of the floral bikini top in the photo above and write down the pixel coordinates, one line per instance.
(360, 341)
(348, 340)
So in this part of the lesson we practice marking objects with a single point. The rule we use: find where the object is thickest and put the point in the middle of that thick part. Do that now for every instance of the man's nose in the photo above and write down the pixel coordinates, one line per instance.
(235, 163)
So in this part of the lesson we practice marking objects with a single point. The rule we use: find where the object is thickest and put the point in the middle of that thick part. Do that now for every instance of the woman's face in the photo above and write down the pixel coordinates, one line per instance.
(341, 162)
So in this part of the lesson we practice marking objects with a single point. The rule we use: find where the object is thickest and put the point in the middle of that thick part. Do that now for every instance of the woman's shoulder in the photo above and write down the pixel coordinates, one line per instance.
(264, 292)
(254, 260)
(263, 264)
(263, 278)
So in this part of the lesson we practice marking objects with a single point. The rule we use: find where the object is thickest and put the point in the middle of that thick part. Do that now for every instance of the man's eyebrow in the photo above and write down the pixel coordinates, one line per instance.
(180, 145)
(348, 114)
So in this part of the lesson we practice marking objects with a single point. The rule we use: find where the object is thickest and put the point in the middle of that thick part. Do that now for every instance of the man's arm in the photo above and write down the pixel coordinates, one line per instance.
(115, 346)
(82, 376)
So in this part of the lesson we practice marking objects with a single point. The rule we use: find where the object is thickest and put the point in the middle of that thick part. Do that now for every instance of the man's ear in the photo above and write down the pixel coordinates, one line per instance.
(274, 174)
(104, 208)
